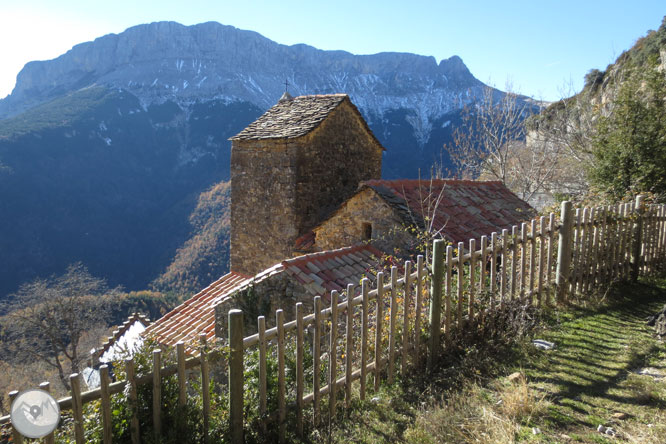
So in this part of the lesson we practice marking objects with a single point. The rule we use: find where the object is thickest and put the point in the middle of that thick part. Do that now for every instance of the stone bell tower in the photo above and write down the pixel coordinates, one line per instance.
(292, 167)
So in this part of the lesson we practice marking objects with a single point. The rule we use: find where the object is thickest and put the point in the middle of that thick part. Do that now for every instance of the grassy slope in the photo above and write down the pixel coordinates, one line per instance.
(567, 392)
(589, 378)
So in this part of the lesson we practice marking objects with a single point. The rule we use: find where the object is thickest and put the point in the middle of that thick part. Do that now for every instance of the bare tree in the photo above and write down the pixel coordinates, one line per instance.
(571, 124)
(480, 143)
(49, 317)
(530, 167)
(490, 144)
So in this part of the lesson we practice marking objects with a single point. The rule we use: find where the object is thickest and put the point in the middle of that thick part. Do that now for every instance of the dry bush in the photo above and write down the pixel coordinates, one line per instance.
(636, 432)
(480, 415)
(519, 401)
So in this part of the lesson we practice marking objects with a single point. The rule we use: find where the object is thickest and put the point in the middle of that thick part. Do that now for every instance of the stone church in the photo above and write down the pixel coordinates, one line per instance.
(310, 213)
(290, 169)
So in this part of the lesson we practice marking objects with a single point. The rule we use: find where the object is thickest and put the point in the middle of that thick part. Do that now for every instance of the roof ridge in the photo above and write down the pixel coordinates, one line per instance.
(329, 254)
(121, 330)
(428, 181)
(322, 95)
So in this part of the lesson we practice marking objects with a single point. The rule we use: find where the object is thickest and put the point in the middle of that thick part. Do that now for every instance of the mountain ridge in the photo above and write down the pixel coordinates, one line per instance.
(211, 60)
(106, 150)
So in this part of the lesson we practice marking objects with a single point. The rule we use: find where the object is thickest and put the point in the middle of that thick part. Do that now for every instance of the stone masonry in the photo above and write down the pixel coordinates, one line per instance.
(290, 169)
(364, 213)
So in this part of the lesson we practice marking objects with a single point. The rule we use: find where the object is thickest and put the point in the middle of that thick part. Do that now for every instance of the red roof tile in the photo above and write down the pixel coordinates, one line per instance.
(336, 268)
(195, 316)
(461, 209)
(317, 273)
(305, 242)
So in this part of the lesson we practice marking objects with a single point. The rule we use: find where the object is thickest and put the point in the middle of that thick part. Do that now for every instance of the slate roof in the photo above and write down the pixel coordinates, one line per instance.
(292, 118)
(295, 117)
(462, 209)
(194, 316)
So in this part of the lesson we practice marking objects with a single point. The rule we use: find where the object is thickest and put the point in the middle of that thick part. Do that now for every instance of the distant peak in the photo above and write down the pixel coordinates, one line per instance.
(453, 62)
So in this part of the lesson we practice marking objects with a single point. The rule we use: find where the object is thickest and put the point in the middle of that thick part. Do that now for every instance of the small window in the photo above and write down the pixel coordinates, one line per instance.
(367, 230)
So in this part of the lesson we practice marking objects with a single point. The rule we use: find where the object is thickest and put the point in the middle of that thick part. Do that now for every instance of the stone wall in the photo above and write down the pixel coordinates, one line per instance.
(263, 203)
(347, 225)
(262, 297)
(332, 161)
(281, 188)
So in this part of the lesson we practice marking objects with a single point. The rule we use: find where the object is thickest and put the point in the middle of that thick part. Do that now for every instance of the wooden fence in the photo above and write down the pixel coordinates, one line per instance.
(388, 325)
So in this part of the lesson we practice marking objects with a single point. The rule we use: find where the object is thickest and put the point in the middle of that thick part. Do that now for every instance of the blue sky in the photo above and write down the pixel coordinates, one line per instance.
(543, 48)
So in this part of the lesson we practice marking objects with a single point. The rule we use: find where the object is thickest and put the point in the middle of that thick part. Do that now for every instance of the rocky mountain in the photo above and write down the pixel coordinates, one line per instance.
(571, 126)
(408, 99)
(105, 150)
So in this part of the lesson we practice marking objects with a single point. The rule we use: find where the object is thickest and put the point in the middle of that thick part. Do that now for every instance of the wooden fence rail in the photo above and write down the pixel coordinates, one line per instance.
(382, 331)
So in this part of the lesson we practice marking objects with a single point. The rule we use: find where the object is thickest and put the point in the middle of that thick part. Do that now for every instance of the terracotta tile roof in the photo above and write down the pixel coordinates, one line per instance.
(292, 118)
(462, 209)
(317, 273)
(320, 273)
(120, 331)
(194, 316)
(305, 242)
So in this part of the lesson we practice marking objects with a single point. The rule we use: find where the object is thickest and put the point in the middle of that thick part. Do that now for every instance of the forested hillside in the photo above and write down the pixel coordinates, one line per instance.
(612, 135)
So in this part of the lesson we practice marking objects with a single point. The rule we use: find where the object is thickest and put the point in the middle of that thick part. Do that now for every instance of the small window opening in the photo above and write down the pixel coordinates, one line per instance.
(367, 231)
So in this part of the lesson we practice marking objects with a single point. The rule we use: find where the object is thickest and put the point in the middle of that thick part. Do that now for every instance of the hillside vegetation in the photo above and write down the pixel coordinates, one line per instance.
(205, 256)
(95, 177)
(614, 128)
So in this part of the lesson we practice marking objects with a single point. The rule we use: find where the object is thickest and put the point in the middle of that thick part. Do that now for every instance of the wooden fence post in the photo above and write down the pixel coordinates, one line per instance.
(417, 310)
(106, 403)
(459, 285)
(133, 400)
(637, 238)
(349, 345)
(282, 403)
(17, 438)
(261, 331)
(236, 375)
(564, 251)
(472, 280)
(299, 368)
(50, 438)
(365, 284)
(448, 282)
(182, 383)
(405, 317)
(157, 394)
(316, 357)
(205, 384)
(379, 320)
(435, 300)
(77, 407)
(393, 311)
(333, 356)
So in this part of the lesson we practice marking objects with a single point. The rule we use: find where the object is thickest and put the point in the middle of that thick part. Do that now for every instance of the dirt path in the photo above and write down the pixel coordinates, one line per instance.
(590, 379)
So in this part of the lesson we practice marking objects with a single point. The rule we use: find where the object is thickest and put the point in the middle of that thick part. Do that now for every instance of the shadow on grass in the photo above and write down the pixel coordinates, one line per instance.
(598, 346)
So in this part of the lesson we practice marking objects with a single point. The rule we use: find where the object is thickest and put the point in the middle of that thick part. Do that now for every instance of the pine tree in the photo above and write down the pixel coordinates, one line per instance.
(630, 144)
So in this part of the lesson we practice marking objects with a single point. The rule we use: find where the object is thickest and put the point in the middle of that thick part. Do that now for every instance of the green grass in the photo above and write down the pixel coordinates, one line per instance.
(567, 393)
(590, 377)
